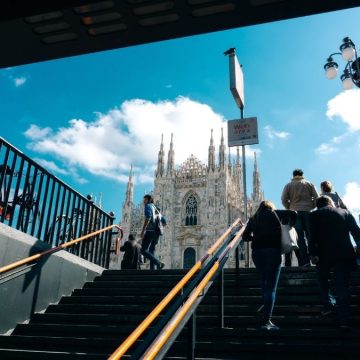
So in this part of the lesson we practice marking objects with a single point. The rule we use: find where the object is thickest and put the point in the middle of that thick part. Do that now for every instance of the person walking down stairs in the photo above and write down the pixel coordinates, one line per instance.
(263, 230)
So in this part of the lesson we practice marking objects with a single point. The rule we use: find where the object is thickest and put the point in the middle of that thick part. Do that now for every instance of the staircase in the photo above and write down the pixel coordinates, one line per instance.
(93, 322)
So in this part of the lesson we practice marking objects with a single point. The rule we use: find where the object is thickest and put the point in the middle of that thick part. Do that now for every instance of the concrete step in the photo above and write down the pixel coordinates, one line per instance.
(234, 309)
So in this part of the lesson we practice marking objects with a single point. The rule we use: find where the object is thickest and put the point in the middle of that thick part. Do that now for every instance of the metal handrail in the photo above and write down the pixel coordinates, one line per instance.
(134, 336)
(174, 322)
(36, 202)
(36, 257)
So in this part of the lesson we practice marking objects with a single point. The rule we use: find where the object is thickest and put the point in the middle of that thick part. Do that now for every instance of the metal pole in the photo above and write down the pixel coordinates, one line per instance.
(247, 246)
(191, 337)
(221, 299)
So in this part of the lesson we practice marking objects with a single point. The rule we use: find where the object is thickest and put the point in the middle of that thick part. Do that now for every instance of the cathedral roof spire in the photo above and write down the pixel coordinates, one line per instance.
(257, 191)
(237, 156)
(222, 152)
(130, 187)
(229, 160)
(171, 155)
(211, 155)
(160, 165)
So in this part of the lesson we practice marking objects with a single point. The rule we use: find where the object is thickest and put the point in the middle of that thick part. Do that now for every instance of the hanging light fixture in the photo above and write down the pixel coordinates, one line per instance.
(351, 73)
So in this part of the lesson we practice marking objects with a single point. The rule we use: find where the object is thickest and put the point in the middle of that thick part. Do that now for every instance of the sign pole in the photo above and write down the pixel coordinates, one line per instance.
(241, 132)
(247, 245)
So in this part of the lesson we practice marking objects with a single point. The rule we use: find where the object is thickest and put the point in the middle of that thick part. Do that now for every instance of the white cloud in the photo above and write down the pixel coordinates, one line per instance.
(352, 198)
(329, 148)
(325, 149)
(51, 166)
(272, 134)
(345, 106)
(108, 145)
(34, 132)
(20, 81)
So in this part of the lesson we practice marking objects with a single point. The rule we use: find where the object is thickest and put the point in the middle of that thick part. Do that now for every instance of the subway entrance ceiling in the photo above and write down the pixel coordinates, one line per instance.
(42, 30)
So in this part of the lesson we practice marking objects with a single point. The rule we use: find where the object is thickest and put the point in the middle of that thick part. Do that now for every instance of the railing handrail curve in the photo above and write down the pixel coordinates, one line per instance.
(134, 336)
(164, 335)
(29, 259)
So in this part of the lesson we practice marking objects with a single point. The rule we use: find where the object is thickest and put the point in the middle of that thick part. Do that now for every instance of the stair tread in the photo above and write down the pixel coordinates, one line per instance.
(94, 320)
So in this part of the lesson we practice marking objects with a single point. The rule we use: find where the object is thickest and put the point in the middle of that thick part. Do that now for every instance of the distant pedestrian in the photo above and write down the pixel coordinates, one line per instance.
(300, 195)
(131, 249)
(331, 249)
(326, 189)
(150, 234)
(263, 229)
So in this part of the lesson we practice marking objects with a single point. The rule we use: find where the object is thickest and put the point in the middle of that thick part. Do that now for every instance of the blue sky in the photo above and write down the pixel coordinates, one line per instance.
(87, 118)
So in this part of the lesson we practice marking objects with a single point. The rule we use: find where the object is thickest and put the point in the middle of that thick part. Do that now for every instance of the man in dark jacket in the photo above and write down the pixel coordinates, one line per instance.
(330, 248)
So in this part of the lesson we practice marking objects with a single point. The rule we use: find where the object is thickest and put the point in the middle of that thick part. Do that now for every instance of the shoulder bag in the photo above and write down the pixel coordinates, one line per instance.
(288, 237)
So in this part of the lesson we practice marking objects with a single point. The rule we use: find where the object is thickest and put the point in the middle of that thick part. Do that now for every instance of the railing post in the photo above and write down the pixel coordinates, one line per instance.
(191, 337)
(221, 299)
(237, 264)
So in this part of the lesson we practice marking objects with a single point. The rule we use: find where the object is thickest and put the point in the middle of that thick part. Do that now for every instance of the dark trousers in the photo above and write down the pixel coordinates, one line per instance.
(149, 242)
(268, 263)
(342, 272)
(302, 228)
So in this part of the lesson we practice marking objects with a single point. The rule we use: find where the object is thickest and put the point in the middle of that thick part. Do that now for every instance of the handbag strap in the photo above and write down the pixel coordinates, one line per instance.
(156, 212)
(277, 216)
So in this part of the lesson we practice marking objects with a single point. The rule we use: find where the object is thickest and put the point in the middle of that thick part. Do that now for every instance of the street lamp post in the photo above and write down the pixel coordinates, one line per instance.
(351, 73)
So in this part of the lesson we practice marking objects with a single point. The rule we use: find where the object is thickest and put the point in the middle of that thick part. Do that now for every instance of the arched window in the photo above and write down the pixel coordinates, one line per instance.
(189, 258)
(191, 211)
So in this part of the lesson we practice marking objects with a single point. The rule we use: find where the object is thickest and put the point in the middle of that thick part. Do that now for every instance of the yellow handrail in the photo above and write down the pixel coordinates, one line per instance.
(130, 340)
(35, 257)
(159, 342)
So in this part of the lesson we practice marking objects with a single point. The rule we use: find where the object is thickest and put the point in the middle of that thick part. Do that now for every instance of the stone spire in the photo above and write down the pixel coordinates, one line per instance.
(171, 155)
(130, 188)
(257, 192)
(222, 152)
(100, 200)
(211, 156)
(160, 164)
(238, 173)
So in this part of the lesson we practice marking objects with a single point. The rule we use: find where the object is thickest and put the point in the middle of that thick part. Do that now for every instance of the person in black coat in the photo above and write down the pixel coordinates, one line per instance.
(131, 259)
(264, 230)
(330, 248)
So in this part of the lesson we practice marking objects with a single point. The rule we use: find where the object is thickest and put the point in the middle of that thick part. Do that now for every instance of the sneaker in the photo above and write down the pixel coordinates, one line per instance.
(260, 309)
(161, 266)
(269, 326)
(329, 311)
(345, 328)
(307, 265)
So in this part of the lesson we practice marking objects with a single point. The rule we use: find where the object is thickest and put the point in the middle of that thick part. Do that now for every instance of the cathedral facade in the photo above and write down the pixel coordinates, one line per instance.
(199, 201)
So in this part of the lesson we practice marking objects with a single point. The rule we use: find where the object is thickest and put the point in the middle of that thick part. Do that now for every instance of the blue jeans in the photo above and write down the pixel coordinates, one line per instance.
(148, 244)
(342, 272)
(302, 226)
(268, 263)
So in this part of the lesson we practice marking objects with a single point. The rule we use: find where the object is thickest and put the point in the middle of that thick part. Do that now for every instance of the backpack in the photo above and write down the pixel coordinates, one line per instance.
(159, 220)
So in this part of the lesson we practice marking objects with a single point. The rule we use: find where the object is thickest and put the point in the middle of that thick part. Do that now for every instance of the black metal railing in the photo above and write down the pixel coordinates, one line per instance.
(36, 202)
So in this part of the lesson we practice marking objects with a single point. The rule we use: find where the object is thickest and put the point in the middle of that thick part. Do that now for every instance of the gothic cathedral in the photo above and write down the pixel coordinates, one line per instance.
(199, 202)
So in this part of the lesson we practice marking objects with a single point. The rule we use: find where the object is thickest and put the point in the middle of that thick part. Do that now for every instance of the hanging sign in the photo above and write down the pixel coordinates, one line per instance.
(243, 132)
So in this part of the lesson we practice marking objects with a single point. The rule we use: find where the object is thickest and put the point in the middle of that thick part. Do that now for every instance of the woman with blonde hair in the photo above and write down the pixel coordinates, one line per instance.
(263, 230)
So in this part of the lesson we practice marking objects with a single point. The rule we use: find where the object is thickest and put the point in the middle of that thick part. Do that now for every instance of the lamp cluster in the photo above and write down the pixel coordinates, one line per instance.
(351, 73)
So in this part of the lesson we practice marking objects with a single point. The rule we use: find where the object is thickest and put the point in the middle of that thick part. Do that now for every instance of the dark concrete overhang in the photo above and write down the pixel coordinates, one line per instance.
(41, 30)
